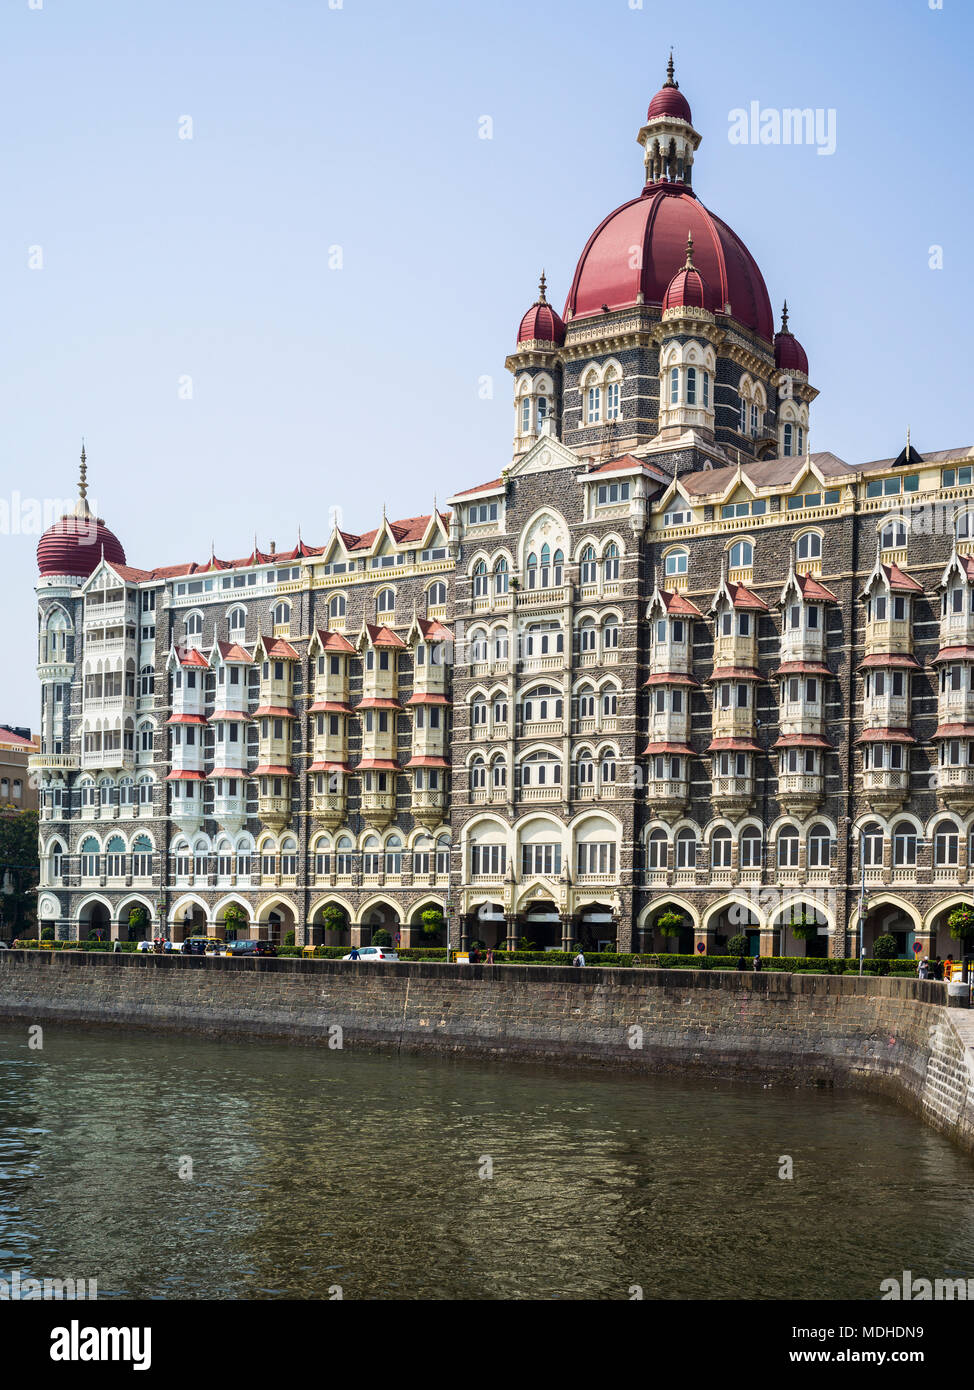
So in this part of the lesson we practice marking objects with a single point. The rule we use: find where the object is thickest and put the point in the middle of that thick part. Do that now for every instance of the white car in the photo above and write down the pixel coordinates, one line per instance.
(374, 953)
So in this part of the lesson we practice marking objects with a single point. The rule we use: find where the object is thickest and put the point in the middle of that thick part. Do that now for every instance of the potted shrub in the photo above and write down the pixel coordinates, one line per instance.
(885, 948)
(669, 924)
(380, 937)
(961, 923)
(333, 918)
(737, 946)
(234, 917)
(138, 919)
(432, 920)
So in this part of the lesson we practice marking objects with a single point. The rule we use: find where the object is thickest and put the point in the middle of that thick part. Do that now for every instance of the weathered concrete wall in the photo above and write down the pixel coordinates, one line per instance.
(893, 1035)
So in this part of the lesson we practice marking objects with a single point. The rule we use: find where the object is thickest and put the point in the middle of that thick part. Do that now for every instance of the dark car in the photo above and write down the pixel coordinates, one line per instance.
(251, 948)
(195, 946)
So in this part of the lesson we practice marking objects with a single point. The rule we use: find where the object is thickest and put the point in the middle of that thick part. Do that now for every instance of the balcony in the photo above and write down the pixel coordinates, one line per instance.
(667, 727)
(274, 811)
(802, 644)
(957, 629)
(53, 762)
(109, 758)
(668, 796)
(731, 722)
(328, 808)
(378, 808)
(885, 788)
(955, 707)
(669, 656)
(428, 806)
(886, 711)
(735, 650)
(732, 793)
(229, 811)
(800, 792)
(889, 635)
(801, 716)
(955, 787)
(538, 598)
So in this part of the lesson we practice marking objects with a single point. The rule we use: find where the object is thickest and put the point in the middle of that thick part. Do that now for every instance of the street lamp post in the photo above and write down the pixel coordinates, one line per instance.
(449, 907)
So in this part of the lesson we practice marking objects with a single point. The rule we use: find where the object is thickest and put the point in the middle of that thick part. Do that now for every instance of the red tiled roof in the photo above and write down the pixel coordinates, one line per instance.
(886, 736)
(421, 697)
(377, 702)
(334, 641)
(742, 597)
(735, 673)
(330, 767)
(682, 748)
(731, 745)
(329, 707)
(802, 668)
(896, 659)
(626, 463)
(227, 772)
(272, 770)
(273, 712)
(954, 654)
(434, 631)
(383, 636)
(674, 602)
(812, 588)
(9, 739)
(377, 765)
(495, 486)
(672, 678)
(189, 656)
(954, 731)
(221, 715)
(183, 776)
(233, 652)
(899, 580)
(185, 719)
(801, 741)
(279, 650)
(427, 761)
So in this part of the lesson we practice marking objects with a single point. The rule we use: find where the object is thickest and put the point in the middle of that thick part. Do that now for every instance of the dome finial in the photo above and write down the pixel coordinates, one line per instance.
(670, 79)
(784, 318)
(689, 263)
(83, 476)
(542, 285)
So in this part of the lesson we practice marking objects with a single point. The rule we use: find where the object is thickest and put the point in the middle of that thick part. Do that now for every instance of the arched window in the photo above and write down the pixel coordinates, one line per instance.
(674, 386)
(872, 845)
(543, 702)
(386, 601)
(610, 561)
(946, 844)
(526, 415)
(478, 712)
(677, 562)
(587, 567)
(656, 844)
(720, 848)
(115, 857)
(809, 546)
(393, 855)
(281, 614)
(751, 848)
(962, 526)
(587, 635)
(585, 769)
(344, 857)
(436, 595)
(610, 633)
(788, 843)
(532, 570)
(194, 624)
(610, 701)
(691, 385)
(819, 847)
(540, 769)
(372, 856)
(607, 768)
(480, 580)
(593, 410)
(904, 845)
(89, 857)
(56, 853)
(141, 857)
(686, 849)
(893, 535)
(289, 856)
(586, 699)
(498, 769)
(501, 576)
(337, 606)
(478, 774)
(478, 645)
(237, 620)
(147, 681)
(741, 555)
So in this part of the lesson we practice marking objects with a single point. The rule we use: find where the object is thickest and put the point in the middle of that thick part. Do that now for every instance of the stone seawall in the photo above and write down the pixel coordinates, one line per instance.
(893, 1035)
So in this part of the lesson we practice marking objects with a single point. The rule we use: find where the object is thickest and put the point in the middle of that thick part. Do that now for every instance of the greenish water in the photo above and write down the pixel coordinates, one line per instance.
(321, 1168)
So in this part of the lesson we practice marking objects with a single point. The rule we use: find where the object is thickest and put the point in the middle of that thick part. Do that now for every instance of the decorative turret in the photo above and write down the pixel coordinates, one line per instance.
(789, 355)
(541, 325)
(668, 138)
(74, 545)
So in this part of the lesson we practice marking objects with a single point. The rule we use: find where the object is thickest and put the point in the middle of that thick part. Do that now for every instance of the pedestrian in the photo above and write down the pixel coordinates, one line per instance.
(474, 955)
(948, 968)
(117, 946)
(579, 959)
(937, 966)
(490, 956)
(923, 970)
(757, 962)
(353, 953)
(740, 963)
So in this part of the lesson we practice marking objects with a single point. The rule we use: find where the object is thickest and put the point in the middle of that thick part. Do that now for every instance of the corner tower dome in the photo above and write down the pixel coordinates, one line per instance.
(789, 355)
(688, 289)
(541, 324)
(74, 545)
(610, 276)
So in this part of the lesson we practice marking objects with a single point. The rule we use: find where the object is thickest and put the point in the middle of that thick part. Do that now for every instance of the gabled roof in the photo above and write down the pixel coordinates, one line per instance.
(740, 597)
(672, 602)
(810, 589)
(767, 474)
(332, 641)
(434, 631)
(189, 656)
(498, 485)
(383, 636)
(962, 564)
(276, 649)
(233, 652)
(628, 463)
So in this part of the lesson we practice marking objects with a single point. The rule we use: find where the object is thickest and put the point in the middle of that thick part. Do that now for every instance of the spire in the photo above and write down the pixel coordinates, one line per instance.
(784, 318)
(689, 262)
(83, 478)
(907, 443)
(542, 285)
(670, 79)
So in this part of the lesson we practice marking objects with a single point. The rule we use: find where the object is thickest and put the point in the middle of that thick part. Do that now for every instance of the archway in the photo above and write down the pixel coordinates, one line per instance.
(415, 933)
(941, 943)
(793, 921)
(889, 918)
(679, 939)
(739, 918)
(330, 924)
(381, 917)
(189, 919)
(488, 925)
(595, 927)
(275, 920)
(541, 925)
(94, 920)
(135, 920)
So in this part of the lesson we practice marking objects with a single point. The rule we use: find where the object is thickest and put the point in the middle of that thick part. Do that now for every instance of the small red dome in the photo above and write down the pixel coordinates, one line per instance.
(688, 289)
(541, 324)
(670, 101)
(789, 355)
(73, 546)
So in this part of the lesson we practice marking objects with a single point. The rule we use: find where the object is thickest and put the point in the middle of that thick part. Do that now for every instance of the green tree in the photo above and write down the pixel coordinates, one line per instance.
(885, 948)
(19, 873)
(961, 923)
(333, 918)
(670, 924)
(432, 920)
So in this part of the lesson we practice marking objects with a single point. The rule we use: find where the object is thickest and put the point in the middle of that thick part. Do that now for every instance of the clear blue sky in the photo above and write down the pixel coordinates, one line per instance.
(358, 127)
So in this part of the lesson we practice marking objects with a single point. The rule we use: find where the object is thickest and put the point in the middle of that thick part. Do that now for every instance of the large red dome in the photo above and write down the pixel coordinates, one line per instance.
(669, 101)
(73, 546)
(657, 223)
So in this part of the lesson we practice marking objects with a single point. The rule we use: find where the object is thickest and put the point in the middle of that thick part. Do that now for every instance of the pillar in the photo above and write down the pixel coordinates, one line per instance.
(567, 930)
(513, 931)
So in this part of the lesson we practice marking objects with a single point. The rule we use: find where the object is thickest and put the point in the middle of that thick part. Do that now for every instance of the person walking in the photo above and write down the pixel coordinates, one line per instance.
(490, 956)
(757, 962)
(923, 969)
(740, 963)
(579, 959)
(948, 968)
(353, 953)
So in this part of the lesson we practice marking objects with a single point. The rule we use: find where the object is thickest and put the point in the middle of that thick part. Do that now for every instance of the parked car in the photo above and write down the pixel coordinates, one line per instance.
(251, 948)
(370, 954)
(194, 946)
